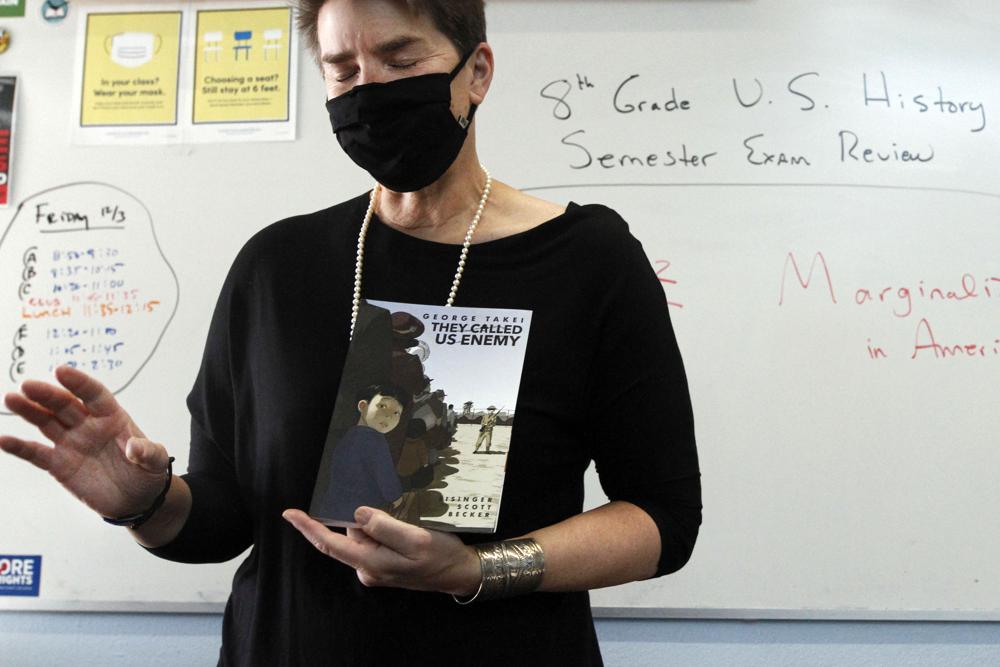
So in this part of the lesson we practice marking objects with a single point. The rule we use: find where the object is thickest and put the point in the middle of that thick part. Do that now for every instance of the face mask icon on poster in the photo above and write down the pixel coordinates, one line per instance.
(401, 132)
(133, 49)
(55, 10)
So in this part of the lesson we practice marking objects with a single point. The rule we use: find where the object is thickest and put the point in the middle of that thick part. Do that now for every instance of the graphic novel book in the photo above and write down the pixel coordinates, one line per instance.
(424, 417)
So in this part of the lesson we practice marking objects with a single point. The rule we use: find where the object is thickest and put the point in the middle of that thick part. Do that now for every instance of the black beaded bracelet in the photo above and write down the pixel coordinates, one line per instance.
(137, 520)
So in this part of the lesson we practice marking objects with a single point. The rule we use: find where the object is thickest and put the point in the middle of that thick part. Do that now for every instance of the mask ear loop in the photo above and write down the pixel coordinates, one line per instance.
(464, 121)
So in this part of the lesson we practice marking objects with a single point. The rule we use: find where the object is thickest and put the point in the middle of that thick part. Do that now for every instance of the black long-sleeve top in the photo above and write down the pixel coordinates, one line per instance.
(603, 380)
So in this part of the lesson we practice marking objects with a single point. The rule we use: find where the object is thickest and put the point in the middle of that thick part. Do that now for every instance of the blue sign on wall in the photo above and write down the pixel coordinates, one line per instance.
(20, 575)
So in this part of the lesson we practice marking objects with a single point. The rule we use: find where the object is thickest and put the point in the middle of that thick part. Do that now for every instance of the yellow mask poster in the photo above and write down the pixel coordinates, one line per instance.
(243, 65)
(130, 69)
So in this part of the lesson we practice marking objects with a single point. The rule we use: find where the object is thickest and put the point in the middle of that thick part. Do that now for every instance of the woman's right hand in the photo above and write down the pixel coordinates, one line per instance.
(99, 454)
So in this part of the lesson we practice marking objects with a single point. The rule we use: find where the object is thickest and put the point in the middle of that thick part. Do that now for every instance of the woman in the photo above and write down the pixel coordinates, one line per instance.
(602, 381)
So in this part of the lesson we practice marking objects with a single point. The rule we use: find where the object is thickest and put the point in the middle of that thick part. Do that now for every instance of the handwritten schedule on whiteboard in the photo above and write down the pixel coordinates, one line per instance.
(85, 285)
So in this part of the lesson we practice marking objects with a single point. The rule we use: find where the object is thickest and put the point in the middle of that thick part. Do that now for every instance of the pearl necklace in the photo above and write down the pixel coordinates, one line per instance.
(461, 260)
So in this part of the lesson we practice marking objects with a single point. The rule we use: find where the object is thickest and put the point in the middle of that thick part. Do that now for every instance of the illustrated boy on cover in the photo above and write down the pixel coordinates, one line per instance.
(361, 468)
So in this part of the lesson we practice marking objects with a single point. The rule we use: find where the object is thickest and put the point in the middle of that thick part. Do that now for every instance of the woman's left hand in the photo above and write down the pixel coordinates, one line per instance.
(389, 552)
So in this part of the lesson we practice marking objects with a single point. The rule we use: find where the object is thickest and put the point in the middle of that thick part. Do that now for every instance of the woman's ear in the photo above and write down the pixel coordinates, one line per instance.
(482, 73)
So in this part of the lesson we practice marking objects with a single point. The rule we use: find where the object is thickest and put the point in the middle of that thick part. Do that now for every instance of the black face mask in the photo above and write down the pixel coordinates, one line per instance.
(401, 132)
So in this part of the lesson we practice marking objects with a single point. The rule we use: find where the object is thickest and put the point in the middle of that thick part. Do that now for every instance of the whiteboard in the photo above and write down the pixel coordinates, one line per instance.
(838, 311)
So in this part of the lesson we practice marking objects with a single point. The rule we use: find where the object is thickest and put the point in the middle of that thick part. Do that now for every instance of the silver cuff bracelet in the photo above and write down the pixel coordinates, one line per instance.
(511, 567)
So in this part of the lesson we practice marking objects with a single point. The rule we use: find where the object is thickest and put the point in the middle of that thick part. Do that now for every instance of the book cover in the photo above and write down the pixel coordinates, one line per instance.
(8, 88)
(424, 416)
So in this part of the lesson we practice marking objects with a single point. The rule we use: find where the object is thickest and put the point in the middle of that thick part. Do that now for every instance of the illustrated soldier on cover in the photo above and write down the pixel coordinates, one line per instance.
(486, 429)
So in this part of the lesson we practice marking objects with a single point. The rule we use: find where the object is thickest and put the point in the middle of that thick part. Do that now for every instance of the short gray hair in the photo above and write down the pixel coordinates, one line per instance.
(462, 21)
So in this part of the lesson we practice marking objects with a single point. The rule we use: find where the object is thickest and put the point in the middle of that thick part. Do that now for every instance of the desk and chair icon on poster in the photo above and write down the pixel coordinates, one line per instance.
(242, 46)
